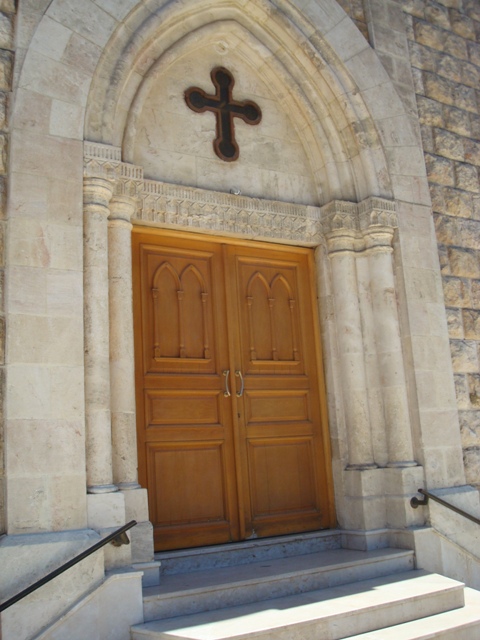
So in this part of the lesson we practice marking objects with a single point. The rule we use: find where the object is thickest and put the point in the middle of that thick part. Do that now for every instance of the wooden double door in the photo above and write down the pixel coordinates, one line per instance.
(231, 423)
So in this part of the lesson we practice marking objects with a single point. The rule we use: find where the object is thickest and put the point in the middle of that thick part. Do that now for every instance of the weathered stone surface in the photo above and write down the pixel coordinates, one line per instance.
(414, 7)
(457, 203)
(462, 391)
(474, 52)
(462, 25)
(464, 263)
(439, 170)
(428, 142)
(429, 35)
(445, 264)
(472, 9)
(464, 97)
(472, 152)
(439, 89)
(422, 57)
(6, 70)
(448, 145)
(471, 323)
(456, 292)
(436, 194)
(456, 46)
(471, 460)
(464, 356)
(470, 420)
(457, 121)
(437, 15)
(6, 31)
(448, 67)
(3, 153)
(430, 112)
(466, 178)
(475, 125)
(475, 293)
(455, 323)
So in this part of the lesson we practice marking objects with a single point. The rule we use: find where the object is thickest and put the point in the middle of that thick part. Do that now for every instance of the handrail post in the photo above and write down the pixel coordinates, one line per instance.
(415, 502)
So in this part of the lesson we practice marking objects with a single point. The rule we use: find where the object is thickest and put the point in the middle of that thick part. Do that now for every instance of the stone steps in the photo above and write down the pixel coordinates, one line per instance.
(327, 614)
(458, 624)
(303, 587)
(210, 589)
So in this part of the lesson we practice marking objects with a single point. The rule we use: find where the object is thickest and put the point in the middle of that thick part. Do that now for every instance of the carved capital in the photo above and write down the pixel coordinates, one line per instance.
(339, 215)
(122, 208)
(378, 221)
(377, 212)
(97, 192)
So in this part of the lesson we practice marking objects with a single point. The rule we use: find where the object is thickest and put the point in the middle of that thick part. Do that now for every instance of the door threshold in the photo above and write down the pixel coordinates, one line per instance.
(249, 544)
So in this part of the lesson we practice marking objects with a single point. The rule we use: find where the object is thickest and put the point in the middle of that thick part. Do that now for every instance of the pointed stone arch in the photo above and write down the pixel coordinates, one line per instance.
(337, 129)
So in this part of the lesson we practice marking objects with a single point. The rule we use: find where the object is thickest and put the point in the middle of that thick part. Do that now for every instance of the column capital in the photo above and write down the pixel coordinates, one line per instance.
(377, 212)
(97, 191)
(122, 208)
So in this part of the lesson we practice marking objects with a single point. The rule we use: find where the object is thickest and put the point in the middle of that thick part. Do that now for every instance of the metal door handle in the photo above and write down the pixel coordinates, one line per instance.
(238, 373)
(226, 393)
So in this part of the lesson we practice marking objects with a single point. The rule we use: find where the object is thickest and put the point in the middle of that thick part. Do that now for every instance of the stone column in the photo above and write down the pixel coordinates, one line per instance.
(389, 347)
(97, 193)
(122, 369)
(341, 241)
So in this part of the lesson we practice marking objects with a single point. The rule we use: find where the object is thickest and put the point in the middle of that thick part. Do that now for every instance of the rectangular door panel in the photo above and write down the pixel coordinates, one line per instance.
(191, 493)
(277, 406)
(178, 407)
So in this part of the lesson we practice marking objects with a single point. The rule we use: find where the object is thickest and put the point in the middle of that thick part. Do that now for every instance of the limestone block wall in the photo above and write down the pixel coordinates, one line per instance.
(7, 18)
(444, 45)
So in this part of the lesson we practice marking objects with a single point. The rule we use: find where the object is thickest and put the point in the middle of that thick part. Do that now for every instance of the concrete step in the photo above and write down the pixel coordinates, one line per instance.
(328, 614)
(206, 590)
(237, 553)
(459, 624)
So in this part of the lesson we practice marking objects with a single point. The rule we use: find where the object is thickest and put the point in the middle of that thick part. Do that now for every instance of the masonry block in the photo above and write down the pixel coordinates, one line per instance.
(466, 178)
(472, 152)
(464, 356)
(464, 263)
(455, 323)
(471, 323)
(448, 145)
(439, 170)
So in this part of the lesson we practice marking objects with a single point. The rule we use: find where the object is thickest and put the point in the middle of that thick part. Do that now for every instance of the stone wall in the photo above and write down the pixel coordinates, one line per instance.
(445, 57)
(439, 87)
(7, 16)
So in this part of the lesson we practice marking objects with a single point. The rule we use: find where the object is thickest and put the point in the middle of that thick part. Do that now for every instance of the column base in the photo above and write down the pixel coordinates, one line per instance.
(128, 486)
(361, 467)
(102, 488)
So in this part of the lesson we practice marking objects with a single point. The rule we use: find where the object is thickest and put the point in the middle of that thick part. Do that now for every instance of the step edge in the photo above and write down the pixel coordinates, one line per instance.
(360, 562)
(147, 627)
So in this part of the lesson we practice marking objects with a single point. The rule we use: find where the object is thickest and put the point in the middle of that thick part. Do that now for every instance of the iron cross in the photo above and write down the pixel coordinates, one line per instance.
(225, 110)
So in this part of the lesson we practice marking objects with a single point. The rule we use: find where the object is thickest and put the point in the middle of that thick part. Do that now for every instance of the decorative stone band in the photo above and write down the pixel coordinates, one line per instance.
(347, 225)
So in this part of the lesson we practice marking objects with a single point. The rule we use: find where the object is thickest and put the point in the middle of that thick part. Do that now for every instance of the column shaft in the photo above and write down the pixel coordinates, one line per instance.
(389, 351)
(122, 369)
(97, 193)
(351, 353)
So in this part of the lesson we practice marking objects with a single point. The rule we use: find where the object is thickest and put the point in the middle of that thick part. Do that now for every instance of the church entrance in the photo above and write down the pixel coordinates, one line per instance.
(232, 434)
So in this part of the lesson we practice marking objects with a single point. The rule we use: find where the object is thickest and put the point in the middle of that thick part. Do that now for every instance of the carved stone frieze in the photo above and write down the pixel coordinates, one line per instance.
(188, 207)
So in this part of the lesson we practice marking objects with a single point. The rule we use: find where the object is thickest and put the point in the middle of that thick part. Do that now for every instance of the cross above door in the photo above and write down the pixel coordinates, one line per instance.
(225, 109)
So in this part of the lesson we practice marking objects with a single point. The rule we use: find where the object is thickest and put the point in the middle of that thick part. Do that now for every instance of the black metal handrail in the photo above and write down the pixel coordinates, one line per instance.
(415, 502)
(117, 538)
